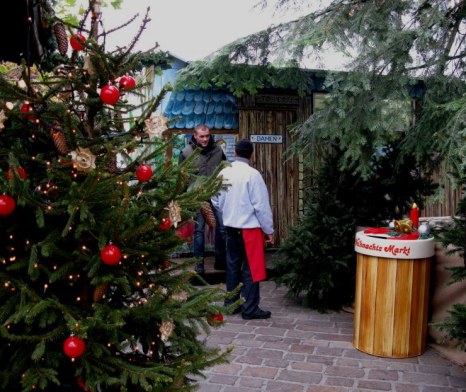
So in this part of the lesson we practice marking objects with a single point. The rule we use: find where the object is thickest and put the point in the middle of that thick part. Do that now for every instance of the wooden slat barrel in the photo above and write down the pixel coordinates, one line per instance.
(392, 296)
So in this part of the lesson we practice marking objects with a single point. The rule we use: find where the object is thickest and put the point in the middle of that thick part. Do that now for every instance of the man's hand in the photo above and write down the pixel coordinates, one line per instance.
(268, 239)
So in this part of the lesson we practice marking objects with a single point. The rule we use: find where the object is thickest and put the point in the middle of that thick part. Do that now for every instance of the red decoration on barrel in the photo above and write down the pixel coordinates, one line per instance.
(19, 171)
(127, 82)
(76, 41)
(165, 224)
(144, 173)
(109, 94)
(74, 347)
(110, 255)
(7, 205)
(414, 215)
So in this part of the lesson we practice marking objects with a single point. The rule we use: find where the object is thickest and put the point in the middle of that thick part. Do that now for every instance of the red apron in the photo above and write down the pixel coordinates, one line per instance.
(254, 245)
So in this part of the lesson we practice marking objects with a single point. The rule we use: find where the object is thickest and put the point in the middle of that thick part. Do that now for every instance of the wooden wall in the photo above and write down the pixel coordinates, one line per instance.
(273, 114)
(446, 204)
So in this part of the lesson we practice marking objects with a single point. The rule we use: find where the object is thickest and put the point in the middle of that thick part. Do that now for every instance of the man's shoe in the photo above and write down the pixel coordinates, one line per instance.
(258, 314)
(199, 268)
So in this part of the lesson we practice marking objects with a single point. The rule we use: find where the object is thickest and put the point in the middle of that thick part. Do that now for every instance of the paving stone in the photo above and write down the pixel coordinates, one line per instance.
(277, 345)
(249, 359)
(459, 382)
(274, 386)
(325, 389)
(347, 362)
(339, 381)
(423, 378)
(407, 388)
(319, 323)
(247, 343)
(206, 387)
(320, 359)
(377, 374)
(271, 331)
(302, 348)
(405, 367)
(251, 382)
(237, 389)
(428, 359)
(294, 357)
(434, 369)
(457, 371)
(220, 340)
(276, 363)
(260, 372)
(301, 377)
(334, 337)
(344, 345)
(229, 368)
(374, 385)
(267, 354)
(342, 371)
(223, 379)
(298, 334)
(334, 352)
(310, 367)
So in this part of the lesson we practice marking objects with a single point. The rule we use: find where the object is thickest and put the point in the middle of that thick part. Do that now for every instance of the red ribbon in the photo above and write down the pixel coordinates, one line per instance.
(377, 230)
(413, 236)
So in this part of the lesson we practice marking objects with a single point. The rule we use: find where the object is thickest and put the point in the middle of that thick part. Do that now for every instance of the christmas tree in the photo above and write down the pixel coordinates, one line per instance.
(90, 211)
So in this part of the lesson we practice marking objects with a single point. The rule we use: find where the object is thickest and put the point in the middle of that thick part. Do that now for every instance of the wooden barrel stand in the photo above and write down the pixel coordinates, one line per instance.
(391, 300)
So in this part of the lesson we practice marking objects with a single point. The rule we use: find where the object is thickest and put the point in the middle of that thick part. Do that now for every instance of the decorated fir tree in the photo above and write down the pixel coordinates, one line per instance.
(90, 206)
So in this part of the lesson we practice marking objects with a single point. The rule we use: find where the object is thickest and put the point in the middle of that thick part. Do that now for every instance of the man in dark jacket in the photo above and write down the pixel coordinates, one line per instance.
(209, 157)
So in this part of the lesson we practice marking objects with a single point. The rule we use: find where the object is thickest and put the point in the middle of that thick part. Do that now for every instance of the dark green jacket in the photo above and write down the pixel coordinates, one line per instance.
(208, 158)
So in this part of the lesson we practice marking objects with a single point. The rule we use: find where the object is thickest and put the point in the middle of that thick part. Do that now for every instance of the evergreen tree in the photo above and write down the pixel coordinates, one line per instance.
(317, 262)
(394, 51)
(90, 205)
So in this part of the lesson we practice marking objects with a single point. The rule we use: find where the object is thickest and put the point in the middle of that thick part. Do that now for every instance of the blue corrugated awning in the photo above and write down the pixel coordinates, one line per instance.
(216, 108)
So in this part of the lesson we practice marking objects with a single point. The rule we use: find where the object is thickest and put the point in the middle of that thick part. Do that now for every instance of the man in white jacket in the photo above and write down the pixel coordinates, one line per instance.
(248, 221)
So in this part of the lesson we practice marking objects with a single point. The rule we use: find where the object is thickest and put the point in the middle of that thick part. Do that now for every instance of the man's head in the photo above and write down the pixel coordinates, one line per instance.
(202, 135)
(244, 148)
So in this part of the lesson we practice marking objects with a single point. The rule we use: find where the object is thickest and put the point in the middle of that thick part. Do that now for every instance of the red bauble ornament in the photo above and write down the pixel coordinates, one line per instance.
(165, 224)
(7, 205)
(27, 111)
(110, 255)
(185, 231)
(215, 319)
(109, 94)
(144, 173)
(21, 172)
(127, 82)
(83, 385)
(76, 41)
(74, 347)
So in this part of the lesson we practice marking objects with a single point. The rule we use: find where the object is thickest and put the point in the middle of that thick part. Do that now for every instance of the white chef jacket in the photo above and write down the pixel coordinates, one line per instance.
(244, 204)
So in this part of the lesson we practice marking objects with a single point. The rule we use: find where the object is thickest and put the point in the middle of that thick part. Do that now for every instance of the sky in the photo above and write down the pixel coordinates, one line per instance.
(191, 29)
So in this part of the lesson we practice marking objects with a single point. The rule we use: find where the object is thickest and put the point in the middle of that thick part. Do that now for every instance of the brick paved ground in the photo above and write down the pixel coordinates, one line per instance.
(301, 350)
